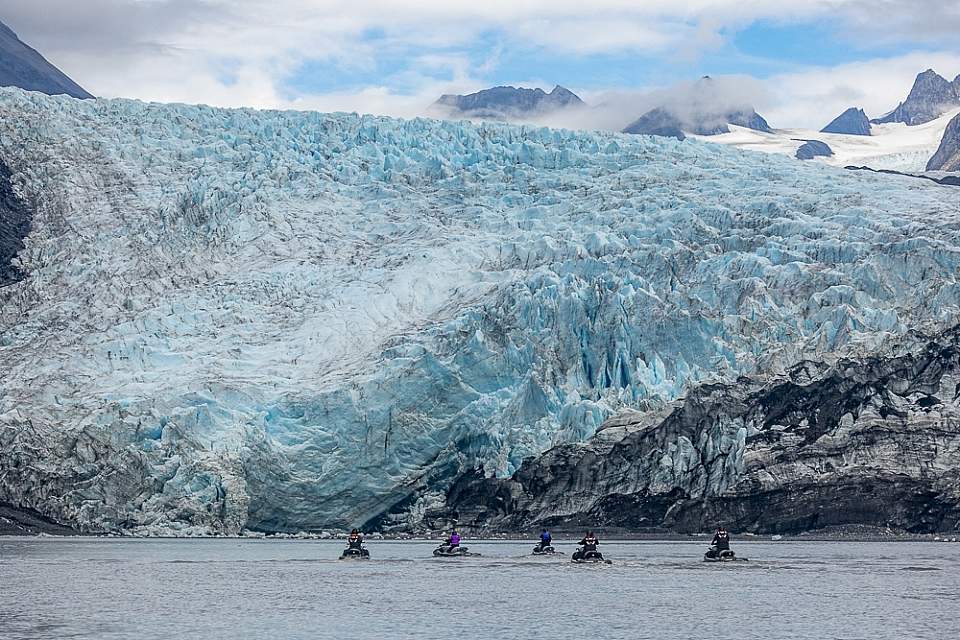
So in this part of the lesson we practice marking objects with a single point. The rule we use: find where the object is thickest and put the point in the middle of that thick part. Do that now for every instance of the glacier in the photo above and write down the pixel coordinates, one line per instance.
(283, 321)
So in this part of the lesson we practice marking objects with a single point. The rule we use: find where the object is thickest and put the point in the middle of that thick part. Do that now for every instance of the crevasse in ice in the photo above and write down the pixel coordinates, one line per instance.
(284, 320)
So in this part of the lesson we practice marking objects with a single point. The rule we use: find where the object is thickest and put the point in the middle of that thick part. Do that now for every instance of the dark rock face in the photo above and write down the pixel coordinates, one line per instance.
(853, 122)
(21, 66)
(15, 521)
(749, 119)
(657, 122)
(501, 102)
(931, 96)
(811, 149)
(15, 218)
(873, 441)
(947, 157)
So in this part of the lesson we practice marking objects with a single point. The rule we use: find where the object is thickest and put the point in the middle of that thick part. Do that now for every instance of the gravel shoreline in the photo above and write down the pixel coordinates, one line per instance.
(20, 522)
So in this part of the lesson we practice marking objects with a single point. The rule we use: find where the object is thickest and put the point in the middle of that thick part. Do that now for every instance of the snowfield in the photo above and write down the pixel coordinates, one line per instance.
(892, 146)
(283, 321)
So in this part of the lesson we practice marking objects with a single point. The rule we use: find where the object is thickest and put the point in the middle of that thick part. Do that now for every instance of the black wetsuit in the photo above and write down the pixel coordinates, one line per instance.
(588, 546)
(355, 542)
(721, 540)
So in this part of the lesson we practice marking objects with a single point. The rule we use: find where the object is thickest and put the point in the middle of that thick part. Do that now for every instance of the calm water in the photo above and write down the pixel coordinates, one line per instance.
(90, 588)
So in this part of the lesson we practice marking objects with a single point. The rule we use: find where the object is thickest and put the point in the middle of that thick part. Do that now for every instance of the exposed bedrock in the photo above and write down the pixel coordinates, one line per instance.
(874, 441)
(14, 227)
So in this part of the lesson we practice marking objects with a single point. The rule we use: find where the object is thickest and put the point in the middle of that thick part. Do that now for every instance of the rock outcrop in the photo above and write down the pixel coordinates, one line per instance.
(947, 157)
(14, 227)
(811, 149)
(932, 95)
(873, 441)
(21, 66)
(852, 122)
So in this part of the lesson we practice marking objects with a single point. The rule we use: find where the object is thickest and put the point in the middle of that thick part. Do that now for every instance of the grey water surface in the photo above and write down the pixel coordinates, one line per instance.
(126, 588)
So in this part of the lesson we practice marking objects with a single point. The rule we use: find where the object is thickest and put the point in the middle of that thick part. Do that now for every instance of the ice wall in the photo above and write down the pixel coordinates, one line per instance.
(282, 320)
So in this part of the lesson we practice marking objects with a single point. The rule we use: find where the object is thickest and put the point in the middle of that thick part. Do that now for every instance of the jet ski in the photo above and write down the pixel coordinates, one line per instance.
(727, 555)
(544, 551)
(580, 556)
(445, 551)
(351, 553)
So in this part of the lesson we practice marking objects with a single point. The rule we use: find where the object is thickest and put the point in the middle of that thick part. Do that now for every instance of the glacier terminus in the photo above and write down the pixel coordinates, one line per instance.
(222, 320)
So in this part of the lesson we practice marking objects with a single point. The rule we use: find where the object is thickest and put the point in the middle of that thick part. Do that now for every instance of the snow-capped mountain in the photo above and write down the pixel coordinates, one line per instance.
(853, 122)
(507, 103)
(931, 96)
(896, 146)
(21, 66)
(947, 157)
(703, 110)
(285, 321)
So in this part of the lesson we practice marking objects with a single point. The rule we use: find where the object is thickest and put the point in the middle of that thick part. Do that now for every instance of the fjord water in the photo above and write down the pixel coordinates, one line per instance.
(229, 588)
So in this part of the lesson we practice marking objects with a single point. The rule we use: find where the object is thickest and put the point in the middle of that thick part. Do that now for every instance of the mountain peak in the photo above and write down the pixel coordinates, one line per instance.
(506, 102)
(21, 66)
(930, 96)
(853, 121)
(703, 109)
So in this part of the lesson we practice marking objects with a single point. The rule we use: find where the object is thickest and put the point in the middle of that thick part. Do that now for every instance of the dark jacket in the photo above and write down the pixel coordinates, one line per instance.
(545, 539)
(721, 540)
(589, 544)
(355, 541)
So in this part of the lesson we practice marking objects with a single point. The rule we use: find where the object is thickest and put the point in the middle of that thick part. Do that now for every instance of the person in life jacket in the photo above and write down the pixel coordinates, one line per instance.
(355, 540)
(721, 539)
(545, 539)
(589, 542)
(454, 541)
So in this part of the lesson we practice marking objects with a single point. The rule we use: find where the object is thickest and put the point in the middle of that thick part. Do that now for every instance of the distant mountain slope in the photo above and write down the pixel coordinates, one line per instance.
(21, 66)
(704, 110)
(932, 95)
(509, 102)
(657, 122)
(853, 122)
(895, 146)
(947, 157)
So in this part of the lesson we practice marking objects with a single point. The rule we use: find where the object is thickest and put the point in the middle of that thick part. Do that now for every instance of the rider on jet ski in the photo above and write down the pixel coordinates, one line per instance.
(355, 546)
(545, 540)
(589, 542)
(355, 541)
(720, 542)
(454, 540)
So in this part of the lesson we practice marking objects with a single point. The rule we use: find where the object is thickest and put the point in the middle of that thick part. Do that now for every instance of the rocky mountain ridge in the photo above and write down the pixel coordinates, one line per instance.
(930, 97)
(947, 157)
(506, 102)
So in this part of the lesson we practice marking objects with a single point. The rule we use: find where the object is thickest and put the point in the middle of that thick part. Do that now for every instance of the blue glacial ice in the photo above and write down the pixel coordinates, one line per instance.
(281, 320)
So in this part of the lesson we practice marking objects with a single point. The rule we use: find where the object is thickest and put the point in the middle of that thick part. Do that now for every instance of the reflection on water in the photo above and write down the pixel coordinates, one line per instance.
(107, 588)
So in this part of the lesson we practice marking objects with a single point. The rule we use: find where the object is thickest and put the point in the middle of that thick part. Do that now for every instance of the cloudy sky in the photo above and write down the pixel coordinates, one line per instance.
(802, 61)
